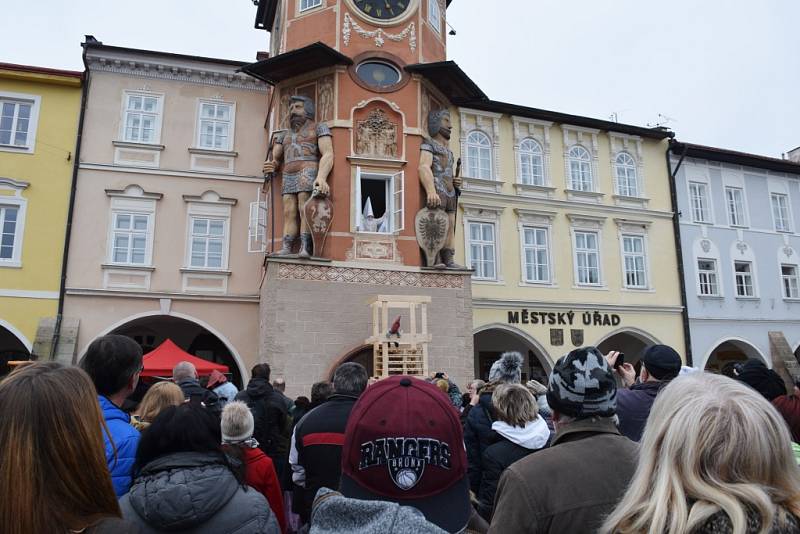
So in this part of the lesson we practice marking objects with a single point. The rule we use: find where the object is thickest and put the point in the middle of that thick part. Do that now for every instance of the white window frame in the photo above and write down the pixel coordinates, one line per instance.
(482, 243)
(750, 274)
(309, 4)
(524, 247)
(793, 292)
(705, 201)
(395, 199)
(786, 213)
(576, 252)
(257, 224)
(33, 121)
(736, 210)
(584, 169)
(717, 282)
(645, 260)
(626, 168)
(531, 155)
(148, 235)
(208, 236)
(231, 124)
(435, 15)
(470, 144)
(20, 204)
(159, 113)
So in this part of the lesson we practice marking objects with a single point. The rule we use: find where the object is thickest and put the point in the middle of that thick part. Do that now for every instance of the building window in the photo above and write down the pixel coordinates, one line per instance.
(9, 216)
(380, 74)
(698, 193)
(130, 238)
(531, 163)
(743, 272)
(587, 258)
(479, 156)
(215, 126)
(790, 285)
(309, 4)
(15, 121)
(482, 250)
(208, 243)
(381, 200)
(780, 212)
(625, 168)
(536, 251)
(257, 227)
(707, 277)
(435, 15)
(580, 169)
(634, 261)
(142, 123)
(734, 198)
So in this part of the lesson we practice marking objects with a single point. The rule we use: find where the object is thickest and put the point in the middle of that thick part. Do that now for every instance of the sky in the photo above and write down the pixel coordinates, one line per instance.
(723, 73)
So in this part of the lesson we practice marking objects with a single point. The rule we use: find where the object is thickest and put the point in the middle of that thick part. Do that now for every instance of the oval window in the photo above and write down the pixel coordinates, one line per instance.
(378, 73)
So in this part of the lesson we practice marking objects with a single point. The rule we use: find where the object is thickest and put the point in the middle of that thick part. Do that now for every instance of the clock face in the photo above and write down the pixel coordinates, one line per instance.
(382, 9)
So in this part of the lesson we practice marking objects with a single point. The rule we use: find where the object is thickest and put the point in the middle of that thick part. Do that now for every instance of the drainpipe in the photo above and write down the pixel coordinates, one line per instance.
(71, 209)
(687, 337)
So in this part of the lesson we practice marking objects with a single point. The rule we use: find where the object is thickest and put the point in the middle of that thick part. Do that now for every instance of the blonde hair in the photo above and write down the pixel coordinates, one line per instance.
(443, 385)
(710, 444)
(160, 396)
(514, 404)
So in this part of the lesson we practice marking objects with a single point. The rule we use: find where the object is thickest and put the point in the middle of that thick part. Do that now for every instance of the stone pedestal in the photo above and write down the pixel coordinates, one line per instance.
(314, 314)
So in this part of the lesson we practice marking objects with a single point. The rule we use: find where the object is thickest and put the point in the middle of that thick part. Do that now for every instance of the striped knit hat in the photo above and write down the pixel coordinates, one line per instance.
(582, 385)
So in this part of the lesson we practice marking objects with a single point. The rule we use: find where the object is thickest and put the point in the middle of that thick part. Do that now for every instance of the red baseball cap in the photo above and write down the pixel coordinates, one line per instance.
(404, 444)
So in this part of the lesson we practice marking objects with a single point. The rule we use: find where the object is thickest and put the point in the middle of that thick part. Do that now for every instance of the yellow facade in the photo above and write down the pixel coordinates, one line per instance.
(508, 307)
(36, 164)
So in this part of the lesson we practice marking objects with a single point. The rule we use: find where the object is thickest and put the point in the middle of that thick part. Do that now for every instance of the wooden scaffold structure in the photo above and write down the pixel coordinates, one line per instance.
(397, 351)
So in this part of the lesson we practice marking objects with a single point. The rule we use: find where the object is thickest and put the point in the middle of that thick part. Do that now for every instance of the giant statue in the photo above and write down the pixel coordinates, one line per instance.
(304, 154)
(435, 232)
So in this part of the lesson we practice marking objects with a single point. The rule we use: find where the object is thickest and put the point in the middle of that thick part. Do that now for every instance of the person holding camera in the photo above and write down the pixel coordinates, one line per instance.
(660, 364)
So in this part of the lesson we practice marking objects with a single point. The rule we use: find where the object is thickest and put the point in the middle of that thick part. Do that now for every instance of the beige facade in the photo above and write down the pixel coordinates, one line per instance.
(165, 234)
(569, 227)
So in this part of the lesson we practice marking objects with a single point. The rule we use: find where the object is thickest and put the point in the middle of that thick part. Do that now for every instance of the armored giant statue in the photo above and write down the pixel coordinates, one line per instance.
(304, 154)
(441, 185)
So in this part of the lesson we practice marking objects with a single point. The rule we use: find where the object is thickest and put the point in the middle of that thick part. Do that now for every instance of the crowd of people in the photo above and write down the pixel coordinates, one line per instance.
(598, 446)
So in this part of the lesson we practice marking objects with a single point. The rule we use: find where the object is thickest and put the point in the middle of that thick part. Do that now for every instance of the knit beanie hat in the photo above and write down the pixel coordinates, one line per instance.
(507, 369)
(662, 361)
(237, 422)
(761, 378)
(582, 385)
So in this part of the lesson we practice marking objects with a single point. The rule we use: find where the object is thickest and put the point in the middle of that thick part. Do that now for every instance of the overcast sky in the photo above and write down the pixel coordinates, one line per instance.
(723, 72)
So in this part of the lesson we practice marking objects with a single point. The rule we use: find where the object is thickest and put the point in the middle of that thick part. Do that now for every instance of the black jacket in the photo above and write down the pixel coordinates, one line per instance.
(318, 439)
(500, 454)
(633, 407)
(194, 392)
(478, 434)
(271, 420)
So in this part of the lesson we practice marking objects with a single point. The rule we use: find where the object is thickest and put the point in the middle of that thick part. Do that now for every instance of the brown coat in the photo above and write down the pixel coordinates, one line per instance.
(569, 487)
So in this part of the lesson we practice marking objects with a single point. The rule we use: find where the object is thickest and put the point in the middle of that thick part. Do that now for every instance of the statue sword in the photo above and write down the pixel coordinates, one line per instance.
(458, 194)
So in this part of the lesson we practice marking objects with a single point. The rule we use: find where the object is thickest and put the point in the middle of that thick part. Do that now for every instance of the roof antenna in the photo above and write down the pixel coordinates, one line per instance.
(452, 30)
(662, 121)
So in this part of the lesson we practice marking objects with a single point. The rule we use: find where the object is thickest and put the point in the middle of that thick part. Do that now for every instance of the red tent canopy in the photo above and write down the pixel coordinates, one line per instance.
(161, 360)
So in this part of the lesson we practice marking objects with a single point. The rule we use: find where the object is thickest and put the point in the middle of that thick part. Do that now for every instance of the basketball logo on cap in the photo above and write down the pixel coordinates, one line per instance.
(406, 458)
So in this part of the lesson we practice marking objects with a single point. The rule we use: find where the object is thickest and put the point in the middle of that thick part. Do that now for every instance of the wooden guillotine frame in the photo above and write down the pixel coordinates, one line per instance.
(408, 353)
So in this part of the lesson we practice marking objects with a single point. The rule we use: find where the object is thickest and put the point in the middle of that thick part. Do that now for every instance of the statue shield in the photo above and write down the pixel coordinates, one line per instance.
(431, 226)
(319, 214)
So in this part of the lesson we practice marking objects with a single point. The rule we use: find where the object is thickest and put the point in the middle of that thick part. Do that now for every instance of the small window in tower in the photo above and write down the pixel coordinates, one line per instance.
(305, 5)
(379, 202)
(378, 73)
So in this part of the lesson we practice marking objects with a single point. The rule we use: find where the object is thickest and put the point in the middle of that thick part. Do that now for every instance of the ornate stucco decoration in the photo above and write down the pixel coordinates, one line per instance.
(355, 275)
(379, 35)
(325, 104)
(376, 135)
(742, 247)
(705, 244)
(788, 251)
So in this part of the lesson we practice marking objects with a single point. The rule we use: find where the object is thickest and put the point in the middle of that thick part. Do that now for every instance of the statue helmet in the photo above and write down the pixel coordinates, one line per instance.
(435, 121)
(308, 104)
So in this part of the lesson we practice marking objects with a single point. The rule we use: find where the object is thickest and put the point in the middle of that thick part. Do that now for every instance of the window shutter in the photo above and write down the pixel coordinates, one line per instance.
(357, 202)
(398, 202)
(257, 227)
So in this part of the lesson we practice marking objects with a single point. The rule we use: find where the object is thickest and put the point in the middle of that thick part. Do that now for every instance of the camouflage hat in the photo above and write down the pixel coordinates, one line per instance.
(582, 385)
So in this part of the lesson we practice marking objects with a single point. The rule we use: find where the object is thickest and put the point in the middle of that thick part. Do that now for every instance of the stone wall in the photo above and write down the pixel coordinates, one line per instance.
(313, 314)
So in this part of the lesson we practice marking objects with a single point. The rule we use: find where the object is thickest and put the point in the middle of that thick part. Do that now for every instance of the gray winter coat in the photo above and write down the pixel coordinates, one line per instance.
(335, 514)
(195, 493)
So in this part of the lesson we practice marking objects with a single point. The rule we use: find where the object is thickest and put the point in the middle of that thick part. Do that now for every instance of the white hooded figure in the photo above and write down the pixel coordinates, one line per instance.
(368, 221)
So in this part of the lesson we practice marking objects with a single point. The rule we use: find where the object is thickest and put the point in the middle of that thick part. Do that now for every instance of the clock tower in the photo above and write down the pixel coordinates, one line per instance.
(372, 71)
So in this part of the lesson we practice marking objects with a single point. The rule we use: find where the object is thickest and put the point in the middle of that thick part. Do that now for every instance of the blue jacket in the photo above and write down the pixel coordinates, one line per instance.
(126, 440)
(633, 407)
